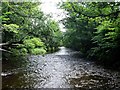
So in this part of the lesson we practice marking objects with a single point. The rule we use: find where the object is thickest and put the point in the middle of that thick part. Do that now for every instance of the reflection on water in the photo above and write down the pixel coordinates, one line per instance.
(90, 81)
(63, 51)
(61, 69)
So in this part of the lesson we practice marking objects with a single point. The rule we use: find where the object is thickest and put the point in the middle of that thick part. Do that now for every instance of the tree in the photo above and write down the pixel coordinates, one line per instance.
(94, 29)
(24, 22)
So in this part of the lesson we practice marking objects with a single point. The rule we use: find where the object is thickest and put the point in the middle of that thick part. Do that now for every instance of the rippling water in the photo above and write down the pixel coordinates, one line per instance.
(62, 69)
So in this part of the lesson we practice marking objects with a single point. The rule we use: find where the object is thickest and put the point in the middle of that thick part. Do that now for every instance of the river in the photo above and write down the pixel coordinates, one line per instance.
(62, 69)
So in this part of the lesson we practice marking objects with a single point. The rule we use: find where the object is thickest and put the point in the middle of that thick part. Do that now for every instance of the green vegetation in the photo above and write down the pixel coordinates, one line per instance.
(94, 29)
(26, 30)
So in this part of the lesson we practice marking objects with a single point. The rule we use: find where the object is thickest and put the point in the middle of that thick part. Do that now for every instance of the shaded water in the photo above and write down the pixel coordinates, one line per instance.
(62, 69)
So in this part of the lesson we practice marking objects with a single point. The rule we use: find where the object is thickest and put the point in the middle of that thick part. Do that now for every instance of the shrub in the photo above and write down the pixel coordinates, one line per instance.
(37, 42)
(23, 51)
(29, 44)
(37, 51)
(20, 46)
(15, 52)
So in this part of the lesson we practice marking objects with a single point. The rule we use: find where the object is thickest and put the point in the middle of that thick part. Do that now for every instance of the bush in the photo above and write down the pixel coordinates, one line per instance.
(15, 52)
(33, 43)
(22, 51)
(29, 44)
(37, 51)
(32, 46)
(37, 42)
(20, 46)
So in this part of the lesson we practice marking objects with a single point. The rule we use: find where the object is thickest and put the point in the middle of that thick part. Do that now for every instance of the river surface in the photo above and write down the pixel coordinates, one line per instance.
(62, 69)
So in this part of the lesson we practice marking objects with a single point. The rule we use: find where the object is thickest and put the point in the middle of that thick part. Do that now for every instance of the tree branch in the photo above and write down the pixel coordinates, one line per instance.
(28, 16)
(5, 50)
(100, 15)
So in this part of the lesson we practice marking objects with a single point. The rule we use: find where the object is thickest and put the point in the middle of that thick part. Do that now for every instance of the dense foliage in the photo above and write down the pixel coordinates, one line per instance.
(94, 29)
(25, 29)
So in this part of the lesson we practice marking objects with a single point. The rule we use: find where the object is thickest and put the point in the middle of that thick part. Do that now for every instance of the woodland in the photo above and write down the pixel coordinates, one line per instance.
(93, 28)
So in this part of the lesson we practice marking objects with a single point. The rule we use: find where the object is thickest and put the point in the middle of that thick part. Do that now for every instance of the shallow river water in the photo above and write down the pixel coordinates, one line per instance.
(62, 69)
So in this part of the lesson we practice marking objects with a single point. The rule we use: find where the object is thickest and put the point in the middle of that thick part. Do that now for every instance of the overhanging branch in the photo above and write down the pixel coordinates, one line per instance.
(100, 15)
(28, 16)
